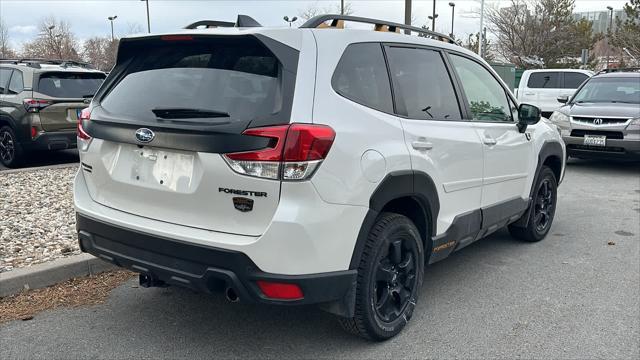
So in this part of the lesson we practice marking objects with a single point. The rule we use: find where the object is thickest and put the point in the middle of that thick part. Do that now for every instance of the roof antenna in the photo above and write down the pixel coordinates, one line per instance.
(247, 21)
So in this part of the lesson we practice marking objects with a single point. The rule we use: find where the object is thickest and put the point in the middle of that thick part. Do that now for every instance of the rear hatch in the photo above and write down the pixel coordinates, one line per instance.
(66, 92)
(169, 109)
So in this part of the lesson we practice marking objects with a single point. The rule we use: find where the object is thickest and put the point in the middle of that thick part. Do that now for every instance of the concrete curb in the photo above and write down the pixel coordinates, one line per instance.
(50, 273)
(36, 168)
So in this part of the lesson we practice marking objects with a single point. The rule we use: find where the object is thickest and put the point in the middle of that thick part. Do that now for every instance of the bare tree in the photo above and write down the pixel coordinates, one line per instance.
(627, 34)
(100, 52)
(531, 31)
(315, 10)
(55, 41)
(134, 28)
(5, 50)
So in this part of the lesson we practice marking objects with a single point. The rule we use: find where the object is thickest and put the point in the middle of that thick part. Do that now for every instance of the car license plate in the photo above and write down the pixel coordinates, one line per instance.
(593, 140)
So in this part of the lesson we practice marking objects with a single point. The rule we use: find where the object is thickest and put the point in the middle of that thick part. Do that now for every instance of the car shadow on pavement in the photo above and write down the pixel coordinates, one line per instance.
(176, 317)
(616, 166)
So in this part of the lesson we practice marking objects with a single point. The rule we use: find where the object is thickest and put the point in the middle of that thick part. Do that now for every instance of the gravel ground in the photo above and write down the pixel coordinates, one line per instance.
(37, 218)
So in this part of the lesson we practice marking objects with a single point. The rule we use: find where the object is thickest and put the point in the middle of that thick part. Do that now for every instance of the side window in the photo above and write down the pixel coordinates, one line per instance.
(361, 76)
(487, 98)
(421, 84)
(16, 85)
(544, 80)
(5, 74)
(573, 80)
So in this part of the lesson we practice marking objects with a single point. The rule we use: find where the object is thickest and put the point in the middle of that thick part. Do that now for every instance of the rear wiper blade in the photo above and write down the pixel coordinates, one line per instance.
(186, 113)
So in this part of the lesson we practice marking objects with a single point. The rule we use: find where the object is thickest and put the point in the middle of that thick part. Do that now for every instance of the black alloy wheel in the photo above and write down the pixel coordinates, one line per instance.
(395, 280)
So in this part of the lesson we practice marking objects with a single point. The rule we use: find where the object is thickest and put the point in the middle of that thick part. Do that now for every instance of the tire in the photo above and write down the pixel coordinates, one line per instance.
(389, 278)
(11, 154)
(543, 208)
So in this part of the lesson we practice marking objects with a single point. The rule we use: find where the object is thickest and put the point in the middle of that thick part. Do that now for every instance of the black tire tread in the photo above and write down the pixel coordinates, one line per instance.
(357, 324)
(528, 233)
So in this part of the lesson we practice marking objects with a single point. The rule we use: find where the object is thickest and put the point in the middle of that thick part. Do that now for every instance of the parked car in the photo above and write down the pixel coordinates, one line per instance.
(603, 118)
(542, 87)
(40, 101)
(307, 166)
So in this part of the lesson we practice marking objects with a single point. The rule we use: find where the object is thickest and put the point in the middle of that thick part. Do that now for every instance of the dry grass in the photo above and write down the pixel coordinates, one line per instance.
(90, 290)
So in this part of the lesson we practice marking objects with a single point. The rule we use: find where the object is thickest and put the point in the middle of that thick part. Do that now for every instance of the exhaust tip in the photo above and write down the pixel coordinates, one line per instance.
(231, 295)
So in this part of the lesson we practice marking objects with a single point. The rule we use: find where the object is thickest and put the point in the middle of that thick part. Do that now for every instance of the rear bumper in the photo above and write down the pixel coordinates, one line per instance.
(204, 269)
(615, 149)
(52, 141)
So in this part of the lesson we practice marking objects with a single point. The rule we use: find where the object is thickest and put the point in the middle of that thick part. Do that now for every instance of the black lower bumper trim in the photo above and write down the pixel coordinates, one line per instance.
(202, 268)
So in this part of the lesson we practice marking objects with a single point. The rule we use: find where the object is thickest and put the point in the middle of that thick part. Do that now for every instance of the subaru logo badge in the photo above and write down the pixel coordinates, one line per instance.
(597, 121)
(145, 135)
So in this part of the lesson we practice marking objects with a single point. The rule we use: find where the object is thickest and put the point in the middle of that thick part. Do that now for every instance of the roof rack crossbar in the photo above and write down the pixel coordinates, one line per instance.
(242, 21)
(613, 70)
(210, 24)
(316, 21)
(35, 62)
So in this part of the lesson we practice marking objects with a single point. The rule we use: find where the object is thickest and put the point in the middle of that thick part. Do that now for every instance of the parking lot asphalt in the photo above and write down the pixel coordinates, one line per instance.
(47, 158)
(572, 295)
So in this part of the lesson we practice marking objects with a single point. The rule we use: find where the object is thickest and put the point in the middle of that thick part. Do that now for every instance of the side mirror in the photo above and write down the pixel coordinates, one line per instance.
(527, 115)
(563, 99)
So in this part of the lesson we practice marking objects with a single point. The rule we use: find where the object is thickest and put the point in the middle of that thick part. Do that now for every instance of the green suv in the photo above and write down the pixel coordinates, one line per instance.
(40, 101)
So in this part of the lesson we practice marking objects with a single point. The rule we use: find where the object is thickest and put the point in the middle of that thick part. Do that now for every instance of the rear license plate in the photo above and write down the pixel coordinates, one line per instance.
(594, 140)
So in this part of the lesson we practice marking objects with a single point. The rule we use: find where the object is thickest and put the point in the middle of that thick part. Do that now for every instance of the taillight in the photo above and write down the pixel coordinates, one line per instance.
(84, 139)
(294, 152)
(35, 105)
(280, 291)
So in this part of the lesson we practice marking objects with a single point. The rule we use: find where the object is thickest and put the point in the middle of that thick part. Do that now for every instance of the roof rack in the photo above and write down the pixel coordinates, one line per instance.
(242, 21)
(612, 70)
(36, 62)
(337, 21)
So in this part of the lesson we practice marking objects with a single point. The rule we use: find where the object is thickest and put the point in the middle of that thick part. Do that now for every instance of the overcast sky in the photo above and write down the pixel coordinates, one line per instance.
(89, 17)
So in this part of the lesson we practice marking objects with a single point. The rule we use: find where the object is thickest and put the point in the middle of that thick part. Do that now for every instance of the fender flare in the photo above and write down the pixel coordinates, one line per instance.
(398, 184)
(549, 149)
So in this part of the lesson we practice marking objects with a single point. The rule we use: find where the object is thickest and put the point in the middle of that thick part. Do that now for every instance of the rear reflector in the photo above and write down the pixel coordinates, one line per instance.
(280, 291)
(34, 132)
(294, 152)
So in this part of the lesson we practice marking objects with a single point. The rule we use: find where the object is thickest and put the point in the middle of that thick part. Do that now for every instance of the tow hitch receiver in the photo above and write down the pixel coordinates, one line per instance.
(147, 280)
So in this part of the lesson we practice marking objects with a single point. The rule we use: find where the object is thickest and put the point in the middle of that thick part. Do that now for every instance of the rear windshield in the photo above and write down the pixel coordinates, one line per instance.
(237, 79)
(70, 85)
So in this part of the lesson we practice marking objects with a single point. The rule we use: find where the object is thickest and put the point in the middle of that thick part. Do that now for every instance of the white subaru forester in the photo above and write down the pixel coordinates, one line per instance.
(317, 165)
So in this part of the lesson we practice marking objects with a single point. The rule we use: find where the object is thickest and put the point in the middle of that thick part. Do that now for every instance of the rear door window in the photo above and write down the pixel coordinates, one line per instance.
(69, 85)
(5, 74)
(16, 85)
(544, 80)
(573, 80)
(361, 76)
(229, 78)
(421, 84)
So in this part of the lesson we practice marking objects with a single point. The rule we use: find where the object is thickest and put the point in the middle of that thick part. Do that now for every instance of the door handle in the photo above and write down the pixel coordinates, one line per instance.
(490, 141)
(422, 145)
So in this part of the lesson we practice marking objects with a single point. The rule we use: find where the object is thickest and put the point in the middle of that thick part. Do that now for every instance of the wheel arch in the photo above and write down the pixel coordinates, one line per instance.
(550, 155)
(410, 193)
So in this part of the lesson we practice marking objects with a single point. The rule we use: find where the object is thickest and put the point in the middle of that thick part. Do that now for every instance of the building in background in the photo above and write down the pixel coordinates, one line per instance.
(600, 19)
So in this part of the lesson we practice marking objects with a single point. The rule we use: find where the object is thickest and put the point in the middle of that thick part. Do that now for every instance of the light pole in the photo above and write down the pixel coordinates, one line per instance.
(341, 7)
(481, 40)
(609, 34)
(290, 21)
(453, 8)
(407, 15)
(433, 21)
(111, 18)
(148, 20)
(433, 16)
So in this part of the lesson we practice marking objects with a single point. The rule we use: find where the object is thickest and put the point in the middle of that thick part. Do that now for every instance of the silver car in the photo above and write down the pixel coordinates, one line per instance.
(602, 119)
